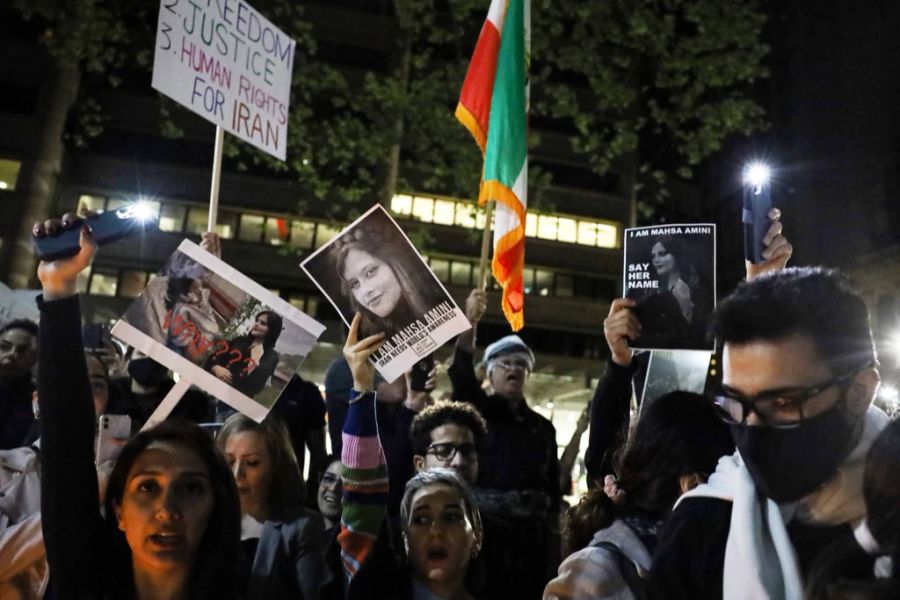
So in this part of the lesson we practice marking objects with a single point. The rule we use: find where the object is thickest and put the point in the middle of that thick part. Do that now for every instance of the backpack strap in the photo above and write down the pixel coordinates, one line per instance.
(629, 571)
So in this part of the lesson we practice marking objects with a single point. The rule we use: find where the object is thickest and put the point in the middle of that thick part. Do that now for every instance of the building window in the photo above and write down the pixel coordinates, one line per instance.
(546, 228)
(302, 234)
(227, 224)
(88, 202)
(461, 273)
(251, 229)
(566, 230)
(402, 204)
(198, 219)
(132, 283)
(103, 283)
(528, 279)
(564, 286)
(171, 217)
(277, 231)
(444, 212)
(543, 282)
(9, 174)
(324, 233)
(441, 268)
(423, 209)
(81, 283)
(116, 203)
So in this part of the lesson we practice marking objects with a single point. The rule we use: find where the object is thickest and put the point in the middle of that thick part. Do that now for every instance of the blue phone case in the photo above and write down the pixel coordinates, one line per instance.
(107, 227)
(757, 203)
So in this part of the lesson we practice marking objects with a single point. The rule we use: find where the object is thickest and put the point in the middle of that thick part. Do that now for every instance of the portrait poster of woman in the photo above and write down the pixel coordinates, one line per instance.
(670, 272)
(219, 330)
(372, 268)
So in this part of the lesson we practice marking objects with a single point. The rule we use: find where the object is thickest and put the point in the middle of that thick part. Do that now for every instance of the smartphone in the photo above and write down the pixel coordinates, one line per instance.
(107, 227)
(420, 372)
(757, 203)
(113, 430)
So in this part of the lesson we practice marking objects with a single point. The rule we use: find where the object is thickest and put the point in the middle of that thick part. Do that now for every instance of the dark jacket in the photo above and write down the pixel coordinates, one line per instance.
(16, 415)
(608, 419)
(253, 382)
(288, 562)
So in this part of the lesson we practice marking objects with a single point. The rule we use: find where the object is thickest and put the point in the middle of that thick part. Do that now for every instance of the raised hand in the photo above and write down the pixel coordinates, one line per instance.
(357, 352)
(59, 277)
(778, 250)
(620, 326)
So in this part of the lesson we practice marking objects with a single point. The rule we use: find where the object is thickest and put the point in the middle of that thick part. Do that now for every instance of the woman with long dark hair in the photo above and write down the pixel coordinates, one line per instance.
(674, 447)
(170, 528)
(259, 359)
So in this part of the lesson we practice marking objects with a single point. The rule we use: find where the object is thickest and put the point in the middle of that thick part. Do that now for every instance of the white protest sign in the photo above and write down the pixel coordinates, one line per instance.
(226, 62)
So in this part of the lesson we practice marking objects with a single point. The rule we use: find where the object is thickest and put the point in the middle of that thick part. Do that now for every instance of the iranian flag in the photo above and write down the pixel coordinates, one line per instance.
(493, 105)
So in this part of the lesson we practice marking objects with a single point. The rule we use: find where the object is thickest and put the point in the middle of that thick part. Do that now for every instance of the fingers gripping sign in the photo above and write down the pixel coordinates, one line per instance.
(358, 354)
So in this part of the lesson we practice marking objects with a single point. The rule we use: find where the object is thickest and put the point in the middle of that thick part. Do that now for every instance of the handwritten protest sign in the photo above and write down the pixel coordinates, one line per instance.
(226, 62)
(371, 267)
(670, 271)
(219, 330)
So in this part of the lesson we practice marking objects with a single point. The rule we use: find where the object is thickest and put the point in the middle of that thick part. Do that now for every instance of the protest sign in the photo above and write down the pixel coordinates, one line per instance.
(219, 330)
(670, 270)
(371, 267)
(671, 370)
(226, 62)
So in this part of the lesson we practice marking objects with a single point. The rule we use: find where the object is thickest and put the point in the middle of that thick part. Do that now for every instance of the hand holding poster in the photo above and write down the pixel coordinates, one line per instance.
(670, 271)
(219, 330)
(372, 268)
(226, 62)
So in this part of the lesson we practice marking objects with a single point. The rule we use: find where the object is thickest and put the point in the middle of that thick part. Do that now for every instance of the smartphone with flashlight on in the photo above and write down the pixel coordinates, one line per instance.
(106, 227)
(757, 204)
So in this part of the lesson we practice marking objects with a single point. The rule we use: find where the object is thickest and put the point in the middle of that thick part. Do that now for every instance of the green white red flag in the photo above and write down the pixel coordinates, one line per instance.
(493, 105)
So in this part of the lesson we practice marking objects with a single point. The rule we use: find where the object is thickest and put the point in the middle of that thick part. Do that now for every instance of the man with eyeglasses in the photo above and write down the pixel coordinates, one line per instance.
(519, 468)
(799, 376)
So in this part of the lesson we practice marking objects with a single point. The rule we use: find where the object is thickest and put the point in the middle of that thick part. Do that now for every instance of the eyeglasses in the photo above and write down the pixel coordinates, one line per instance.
(509, 365)
(735, 408)
(448, 450)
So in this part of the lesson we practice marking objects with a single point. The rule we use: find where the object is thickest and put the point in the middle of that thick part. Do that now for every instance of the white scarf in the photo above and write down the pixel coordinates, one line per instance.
(760, 561)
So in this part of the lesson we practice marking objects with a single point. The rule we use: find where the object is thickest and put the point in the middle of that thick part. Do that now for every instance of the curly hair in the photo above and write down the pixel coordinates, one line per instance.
(26, 325)
(444, 412)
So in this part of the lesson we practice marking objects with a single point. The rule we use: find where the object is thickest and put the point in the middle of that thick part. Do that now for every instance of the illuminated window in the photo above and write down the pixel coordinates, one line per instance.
(312, 306)
(465, 214)
(566, 230)
(81, 283)
(227, 223)
(587, 233)
(423, 209)
(444, 212)
(9, 174)
(133, 283)
(607, 235)
(92, 203)
(276, 231)
(441, 268)
(461, 273)
(324, 233)
(546, 227)
(197, 220)
(275, 292)
(528, 279)
(251, 229)
(171, 217)
(302, 233)
(402, 204)
(116, 203)
(531, 224)
(543, 282)
(103, 284)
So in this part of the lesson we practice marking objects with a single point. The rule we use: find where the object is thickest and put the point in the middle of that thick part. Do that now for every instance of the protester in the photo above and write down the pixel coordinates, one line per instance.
(519, 468)
(448, 435)
(250, 376)
(675, 445)
(171, 522)
(438, 514)
(329, 495)
(18, 354)
(864, 565)
(798, 380)
(286, 540)
(302, 409)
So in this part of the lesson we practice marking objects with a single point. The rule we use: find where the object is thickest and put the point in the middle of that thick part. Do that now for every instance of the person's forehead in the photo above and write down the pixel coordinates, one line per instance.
(168, 458)
(246, 442)
(451, 432)
(18, 337)
(761, 365)
(334, 468)
(436, 496)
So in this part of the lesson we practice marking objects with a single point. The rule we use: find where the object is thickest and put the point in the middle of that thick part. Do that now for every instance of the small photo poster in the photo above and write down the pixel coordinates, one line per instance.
(372, 268)
(674, 370)
(670, 271)
(219, 330)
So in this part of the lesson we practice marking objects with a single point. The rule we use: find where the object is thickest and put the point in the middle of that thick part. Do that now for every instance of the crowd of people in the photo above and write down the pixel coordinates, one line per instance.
(783, 483)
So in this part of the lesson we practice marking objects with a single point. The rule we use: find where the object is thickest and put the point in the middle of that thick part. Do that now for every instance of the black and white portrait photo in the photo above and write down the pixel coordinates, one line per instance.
(670, 272)
(372, 268)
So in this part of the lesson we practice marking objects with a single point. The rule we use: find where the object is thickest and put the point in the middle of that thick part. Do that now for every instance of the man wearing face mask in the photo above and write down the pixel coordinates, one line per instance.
(799, 376)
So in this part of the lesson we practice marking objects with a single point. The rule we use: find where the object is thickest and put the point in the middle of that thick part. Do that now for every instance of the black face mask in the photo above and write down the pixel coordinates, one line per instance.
(788, 464)
(147, 371)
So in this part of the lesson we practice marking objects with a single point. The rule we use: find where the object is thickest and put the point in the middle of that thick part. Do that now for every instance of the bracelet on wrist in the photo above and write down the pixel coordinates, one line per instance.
(357, 395)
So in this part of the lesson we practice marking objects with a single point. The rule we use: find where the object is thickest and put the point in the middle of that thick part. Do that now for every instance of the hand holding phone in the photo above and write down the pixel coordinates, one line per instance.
(114, 431)
(105, 228)
(755, 216)
(420, 371)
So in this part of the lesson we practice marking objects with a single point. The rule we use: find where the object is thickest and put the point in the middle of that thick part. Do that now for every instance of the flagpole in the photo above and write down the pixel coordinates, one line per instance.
(216, 177)
(485, 245)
